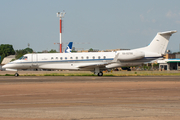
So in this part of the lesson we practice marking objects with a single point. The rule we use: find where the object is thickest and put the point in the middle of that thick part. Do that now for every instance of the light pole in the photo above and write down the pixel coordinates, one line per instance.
(60, 15)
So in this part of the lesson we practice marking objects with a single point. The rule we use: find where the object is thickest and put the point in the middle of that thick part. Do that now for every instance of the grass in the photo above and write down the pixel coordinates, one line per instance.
(8, 75)
(115, 73)
(60, 74)
(147, 73)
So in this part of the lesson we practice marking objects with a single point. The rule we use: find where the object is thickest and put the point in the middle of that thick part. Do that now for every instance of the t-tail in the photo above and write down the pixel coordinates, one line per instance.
(69, 47)
(159, 43)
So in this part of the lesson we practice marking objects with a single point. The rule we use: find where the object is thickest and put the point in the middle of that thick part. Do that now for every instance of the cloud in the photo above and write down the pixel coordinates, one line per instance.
(148, 16)
(150, 10)
(178, 22)
(171, 14)
(153, 20)
(143, 19)
(175, 16)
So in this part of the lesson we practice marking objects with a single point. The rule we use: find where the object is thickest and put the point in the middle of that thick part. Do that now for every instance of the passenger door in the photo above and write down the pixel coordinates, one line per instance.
(34, 60)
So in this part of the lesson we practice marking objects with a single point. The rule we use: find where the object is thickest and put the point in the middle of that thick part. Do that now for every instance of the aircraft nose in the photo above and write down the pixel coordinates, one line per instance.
(4, 66)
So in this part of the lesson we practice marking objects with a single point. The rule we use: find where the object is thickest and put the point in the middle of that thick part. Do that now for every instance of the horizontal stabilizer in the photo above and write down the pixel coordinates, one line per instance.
(167, 32)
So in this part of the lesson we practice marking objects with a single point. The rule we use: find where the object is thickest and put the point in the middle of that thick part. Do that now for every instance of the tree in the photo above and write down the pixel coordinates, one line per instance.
(6, 50)
(90, 50)
(29, 50)
(93, 50)
(52, 51)
(20, 53)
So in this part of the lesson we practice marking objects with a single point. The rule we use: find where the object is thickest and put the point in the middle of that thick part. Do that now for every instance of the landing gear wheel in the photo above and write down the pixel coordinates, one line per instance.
(16, 75)
(100, 74)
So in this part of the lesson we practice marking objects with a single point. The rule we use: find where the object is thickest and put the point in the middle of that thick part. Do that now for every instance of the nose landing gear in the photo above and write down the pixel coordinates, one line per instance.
(16, 74)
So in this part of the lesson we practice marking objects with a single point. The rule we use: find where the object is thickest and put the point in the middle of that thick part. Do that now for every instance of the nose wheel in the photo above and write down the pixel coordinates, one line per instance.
(16, 74)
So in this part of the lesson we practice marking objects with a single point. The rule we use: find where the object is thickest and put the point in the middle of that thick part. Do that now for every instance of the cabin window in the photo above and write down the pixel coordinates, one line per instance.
(99, 57)
(82, 57)
(104, 57)
(87, 57)
(51, 58)
(71, 57)
(76, 58)
(61, 58)
(56, 57)
(66, 58)
(93, 57)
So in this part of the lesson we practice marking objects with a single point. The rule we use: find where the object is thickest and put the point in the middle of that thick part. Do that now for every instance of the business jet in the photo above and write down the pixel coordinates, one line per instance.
(94, 61)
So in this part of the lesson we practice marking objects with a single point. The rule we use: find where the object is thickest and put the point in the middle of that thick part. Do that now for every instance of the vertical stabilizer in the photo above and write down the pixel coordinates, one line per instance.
(159, 43)
(69, 47)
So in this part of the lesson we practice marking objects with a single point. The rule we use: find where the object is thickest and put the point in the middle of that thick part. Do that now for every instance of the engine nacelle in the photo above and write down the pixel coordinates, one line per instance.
(128, 55)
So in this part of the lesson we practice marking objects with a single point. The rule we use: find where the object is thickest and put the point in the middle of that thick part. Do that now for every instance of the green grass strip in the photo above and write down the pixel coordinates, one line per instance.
(131, 73)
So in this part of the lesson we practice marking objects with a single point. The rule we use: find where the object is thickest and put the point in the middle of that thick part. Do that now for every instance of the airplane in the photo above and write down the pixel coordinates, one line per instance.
(94, 61)
(69, 47)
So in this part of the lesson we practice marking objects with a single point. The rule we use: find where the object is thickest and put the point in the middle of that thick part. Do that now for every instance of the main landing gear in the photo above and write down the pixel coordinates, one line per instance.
(98, 72)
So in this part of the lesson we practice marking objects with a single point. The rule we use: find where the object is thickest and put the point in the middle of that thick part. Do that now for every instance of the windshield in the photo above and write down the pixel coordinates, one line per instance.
(20, 58)
(23, 58)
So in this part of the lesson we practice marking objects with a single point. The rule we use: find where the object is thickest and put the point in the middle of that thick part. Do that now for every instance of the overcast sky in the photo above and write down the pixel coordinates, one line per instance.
(104, 24)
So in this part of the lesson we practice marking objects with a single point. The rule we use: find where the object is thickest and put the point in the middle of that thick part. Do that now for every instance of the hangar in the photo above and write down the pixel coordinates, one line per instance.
(8, 59)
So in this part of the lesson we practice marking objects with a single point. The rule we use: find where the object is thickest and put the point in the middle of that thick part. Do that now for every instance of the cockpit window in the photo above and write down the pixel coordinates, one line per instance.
(24, 58)
(20, 58)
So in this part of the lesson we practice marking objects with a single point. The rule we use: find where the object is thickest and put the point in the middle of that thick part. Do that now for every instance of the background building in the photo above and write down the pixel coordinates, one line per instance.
(8, 59)
(171, 62)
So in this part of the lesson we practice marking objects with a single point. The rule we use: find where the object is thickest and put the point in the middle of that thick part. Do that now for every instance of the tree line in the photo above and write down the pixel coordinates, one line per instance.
(6, 50)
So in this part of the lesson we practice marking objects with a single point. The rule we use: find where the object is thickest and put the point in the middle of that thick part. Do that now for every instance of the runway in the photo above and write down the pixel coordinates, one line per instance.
(89, 98)
(22, 79)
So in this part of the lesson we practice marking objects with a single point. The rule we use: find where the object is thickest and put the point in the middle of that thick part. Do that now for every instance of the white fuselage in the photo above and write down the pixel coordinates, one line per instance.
(81, 61)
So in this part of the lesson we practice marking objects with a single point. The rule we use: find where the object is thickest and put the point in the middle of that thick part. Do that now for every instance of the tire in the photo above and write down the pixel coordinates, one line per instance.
(100, 74)
(16, 75)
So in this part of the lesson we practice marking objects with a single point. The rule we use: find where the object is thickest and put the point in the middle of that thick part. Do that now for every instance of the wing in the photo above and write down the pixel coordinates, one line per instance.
(100, 65)
(91, 66)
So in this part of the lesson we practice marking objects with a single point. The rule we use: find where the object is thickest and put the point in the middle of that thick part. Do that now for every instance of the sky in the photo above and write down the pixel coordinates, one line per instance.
(97, 24)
